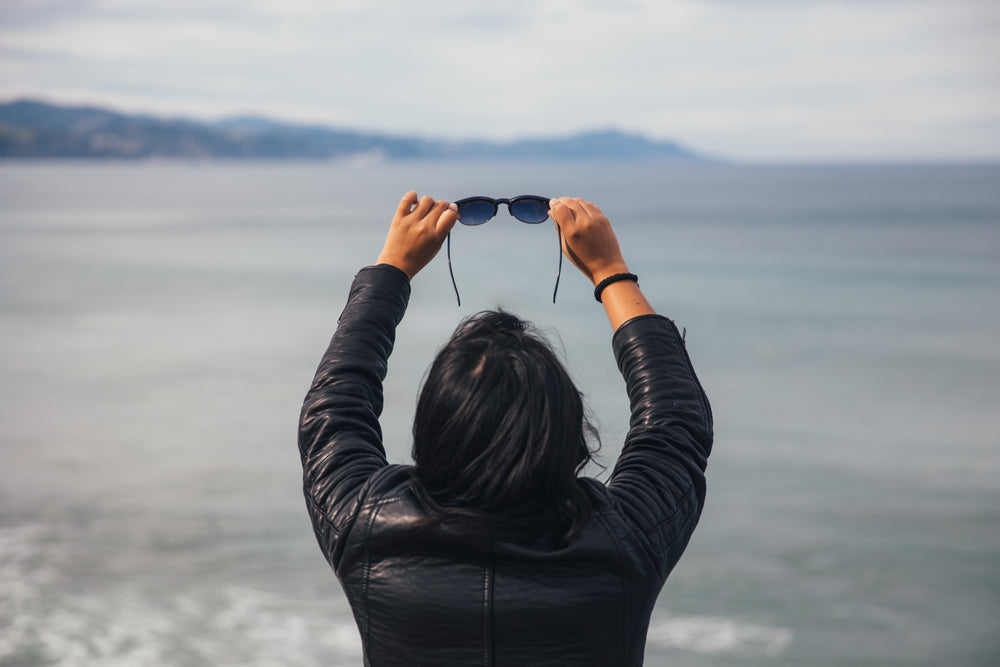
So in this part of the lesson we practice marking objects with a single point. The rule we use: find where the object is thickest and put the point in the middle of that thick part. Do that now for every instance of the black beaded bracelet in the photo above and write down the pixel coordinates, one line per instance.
(613, 279)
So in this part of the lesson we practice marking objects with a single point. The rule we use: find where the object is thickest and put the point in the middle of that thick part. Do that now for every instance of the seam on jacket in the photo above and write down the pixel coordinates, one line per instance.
(366, 634)
(677, 510)
(488, 577)
(363, 492)
(377, 500)
(626, 582)
(320, 511)
(706, 411)
(687, 531)
(369, 496)
(364, 499)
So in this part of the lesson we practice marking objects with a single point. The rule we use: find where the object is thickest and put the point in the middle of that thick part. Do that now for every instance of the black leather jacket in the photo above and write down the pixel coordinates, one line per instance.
(424, 595)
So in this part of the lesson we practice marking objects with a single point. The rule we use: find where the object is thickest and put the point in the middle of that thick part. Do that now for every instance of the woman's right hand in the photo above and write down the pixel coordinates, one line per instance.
(587, 238)
(417, 231)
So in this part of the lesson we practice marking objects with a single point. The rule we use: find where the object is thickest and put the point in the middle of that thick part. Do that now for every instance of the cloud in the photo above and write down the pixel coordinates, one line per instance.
(764, 79)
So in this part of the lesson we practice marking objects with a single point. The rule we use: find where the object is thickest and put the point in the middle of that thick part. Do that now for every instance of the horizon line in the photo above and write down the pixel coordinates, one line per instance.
(717, 159)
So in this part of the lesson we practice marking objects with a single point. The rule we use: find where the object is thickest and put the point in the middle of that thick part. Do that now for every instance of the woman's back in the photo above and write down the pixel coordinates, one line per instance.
(424, 594)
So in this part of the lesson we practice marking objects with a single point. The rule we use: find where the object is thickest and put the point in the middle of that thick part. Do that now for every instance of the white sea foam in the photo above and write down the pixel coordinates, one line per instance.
(244, 628)
(714, 635)
(123, 626)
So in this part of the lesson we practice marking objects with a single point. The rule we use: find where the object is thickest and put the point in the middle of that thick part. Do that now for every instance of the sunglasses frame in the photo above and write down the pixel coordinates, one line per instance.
(496, 207)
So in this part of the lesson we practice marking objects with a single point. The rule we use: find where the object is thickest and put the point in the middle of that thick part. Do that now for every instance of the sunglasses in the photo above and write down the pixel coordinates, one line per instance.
(474, 211)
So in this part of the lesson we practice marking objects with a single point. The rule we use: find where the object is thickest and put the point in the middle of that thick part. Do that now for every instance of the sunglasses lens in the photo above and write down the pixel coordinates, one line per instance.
(532, 210)
(475, 211)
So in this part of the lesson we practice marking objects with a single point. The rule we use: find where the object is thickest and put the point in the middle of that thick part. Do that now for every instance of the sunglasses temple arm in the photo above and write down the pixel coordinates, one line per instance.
(559, 270)
(452, 273)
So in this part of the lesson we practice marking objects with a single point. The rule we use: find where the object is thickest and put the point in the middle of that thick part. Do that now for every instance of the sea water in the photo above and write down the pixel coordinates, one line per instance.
(160, 324)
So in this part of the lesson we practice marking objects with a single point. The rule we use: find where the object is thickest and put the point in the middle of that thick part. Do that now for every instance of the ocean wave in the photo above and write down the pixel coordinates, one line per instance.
(716, 635)
(122, 625)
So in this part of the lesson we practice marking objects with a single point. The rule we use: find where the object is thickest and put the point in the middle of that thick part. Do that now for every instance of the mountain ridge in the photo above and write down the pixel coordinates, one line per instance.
(34, 129)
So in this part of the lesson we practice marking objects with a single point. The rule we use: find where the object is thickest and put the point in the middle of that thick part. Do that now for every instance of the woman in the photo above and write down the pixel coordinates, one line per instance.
(490, 550)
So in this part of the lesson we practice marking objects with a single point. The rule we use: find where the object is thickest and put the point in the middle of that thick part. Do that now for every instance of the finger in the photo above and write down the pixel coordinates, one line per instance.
(592, 210)
(406, 203)
(575, 206)
(447, 220)
(423, 206)
(439, 207)
(553, 203)
(434, 214)
(560, 212)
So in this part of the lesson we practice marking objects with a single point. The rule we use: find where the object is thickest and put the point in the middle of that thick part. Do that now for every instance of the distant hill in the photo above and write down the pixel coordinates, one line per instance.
(30, 129)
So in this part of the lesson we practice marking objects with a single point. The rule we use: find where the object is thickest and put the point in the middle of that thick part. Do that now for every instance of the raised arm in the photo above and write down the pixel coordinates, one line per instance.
(658, 481)
(340, 439)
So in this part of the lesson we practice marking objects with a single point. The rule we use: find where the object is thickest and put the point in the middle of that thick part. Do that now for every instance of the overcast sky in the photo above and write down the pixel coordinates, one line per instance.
(754, 80)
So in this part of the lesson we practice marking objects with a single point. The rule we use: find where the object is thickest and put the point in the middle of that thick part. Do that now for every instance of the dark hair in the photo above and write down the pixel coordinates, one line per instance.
(500, 431)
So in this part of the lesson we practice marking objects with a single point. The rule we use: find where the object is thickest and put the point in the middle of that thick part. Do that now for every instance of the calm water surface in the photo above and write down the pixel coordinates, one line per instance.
(160, 323)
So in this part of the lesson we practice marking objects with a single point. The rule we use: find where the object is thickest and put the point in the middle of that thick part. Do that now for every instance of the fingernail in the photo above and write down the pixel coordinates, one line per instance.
(453, 206)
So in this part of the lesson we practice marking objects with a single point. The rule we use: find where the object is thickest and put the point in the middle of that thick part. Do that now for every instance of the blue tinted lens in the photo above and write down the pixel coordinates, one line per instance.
(530, 209)
(475, 211)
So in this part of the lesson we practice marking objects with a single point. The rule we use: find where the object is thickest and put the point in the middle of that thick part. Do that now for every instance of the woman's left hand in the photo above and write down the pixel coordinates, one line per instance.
(417, 231)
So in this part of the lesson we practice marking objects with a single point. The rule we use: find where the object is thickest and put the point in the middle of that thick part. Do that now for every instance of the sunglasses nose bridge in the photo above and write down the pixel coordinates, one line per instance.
(497, 202)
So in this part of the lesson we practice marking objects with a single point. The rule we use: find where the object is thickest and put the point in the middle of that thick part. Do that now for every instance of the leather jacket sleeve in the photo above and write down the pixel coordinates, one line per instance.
(340, 439)
(658, 482)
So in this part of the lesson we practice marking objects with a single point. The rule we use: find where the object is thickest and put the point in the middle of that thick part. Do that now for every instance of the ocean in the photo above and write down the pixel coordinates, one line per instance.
(161, 322)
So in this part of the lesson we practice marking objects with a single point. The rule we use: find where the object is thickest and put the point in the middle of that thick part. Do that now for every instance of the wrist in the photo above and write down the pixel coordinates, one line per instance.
(606, 272)
(612, 280)
(622, 301)
(396, 263)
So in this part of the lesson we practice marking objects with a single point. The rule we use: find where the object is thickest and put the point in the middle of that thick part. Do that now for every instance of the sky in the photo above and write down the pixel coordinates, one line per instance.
(764, 80)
